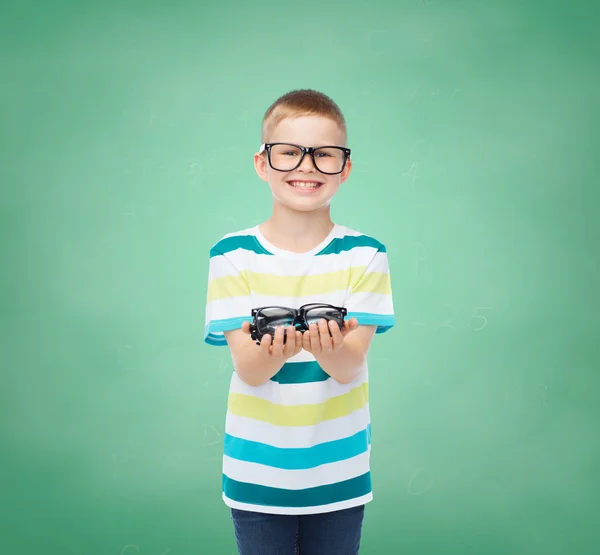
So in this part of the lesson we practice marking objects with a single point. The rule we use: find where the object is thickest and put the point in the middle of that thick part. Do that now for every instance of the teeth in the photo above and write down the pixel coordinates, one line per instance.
(302, 185)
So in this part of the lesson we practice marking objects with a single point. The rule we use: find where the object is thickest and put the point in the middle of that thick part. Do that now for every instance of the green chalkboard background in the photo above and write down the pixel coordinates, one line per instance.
(126, 143)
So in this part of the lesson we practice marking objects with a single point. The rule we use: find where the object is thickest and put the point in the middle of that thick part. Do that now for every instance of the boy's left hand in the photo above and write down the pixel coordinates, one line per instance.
(324, 338)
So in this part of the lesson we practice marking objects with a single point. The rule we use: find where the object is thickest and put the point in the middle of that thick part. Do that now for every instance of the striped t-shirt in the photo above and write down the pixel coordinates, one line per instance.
(301, 442)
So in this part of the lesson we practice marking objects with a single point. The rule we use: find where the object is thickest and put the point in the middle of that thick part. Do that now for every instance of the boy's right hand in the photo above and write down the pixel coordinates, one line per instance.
(275, 348)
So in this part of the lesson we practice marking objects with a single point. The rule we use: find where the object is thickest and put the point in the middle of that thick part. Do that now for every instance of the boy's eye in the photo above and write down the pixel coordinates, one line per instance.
(290, 152)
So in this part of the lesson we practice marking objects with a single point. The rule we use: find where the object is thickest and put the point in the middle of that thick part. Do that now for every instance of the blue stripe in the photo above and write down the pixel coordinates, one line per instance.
(383, 321)
(215, 340)
(226, 324)
(300, 372)
(298, 458)
(246, 242)
(310, 497)
(348, 242)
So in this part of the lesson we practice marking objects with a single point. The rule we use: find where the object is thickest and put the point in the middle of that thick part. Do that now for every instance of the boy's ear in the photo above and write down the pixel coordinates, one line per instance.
(344, 175)
(260, 165)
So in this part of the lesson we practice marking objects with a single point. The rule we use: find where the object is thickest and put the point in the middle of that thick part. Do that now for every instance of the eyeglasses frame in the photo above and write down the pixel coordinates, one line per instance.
(299, 315)
(306, 150)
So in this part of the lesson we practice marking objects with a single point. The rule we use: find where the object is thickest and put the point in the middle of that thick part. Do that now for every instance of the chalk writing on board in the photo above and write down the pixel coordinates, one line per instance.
(448, 323)
(412, 172)
(210, 436)
(194, 171)
(478, 320)
(421, 254)
(420, 482)
(458, 316)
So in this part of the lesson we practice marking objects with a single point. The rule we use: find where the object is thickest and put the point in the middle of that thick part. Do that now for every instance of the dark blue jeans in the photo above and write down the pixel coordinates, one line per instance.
(334, 533)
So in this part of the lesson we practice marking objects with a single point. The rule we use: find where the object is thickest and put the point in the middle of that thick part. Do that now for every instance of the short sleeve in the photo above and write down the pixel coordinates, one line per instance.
(228, 301)
(370, 296)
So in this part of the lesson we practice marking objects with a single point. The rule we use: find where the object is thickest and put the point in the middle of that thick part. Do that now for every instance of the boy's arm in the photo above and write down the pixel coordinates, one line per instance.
(256, 364)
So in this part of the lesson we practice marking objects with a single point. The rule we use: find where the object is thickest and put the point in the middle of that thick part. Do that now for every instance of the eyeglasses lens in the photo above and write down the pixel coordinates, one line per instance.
(268, 319)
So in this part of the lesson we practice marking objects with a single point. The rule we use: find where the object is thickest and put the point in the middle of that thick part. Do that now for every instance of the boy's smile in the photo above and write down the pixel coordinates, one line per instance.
(304, 186)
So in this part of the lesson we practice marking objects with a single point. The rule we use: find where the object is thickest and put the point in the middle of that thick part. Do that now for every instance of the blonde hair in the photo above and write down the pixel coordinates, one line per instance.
(302, 102)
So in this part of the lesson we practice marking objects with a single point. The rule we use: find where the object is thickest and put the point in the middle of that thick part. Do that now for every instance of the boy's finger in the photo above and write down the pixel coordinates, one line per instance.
(349, 325)
(298, 342)
(315, 343)
(290, 344)
(265, 343)
(306, 341)
(246, 327)
(278, 343)
(326, 343)
(336, 334)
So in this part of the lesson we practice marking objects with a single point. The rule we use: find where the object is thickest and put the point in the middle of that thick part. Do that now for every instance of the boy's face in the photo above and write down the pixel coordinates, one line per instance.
(304, 131)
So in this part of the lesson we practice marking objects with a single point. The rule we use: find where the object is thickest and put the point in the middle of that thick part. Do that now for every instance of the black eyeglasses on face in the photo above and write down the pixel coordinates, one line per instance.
(266, 319)
(286, 157)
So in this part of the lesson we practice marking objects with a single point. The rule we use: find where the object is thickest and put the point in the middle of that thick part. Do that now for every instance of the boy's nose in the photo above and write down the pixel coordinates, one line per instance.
(307, 163)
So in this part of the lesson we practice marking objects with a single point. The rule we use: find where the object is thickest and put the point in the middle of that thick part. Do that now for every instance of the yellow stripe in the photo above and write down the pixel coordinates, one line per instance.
(299, 415)
(228, 286)
(299, 286)
(374, 282)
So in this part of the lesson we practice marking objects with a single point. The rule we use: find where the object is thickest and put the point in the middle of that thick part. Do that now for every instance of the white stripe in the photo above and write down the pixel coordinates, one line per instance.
(242, 259)
(336, 298)
(298, 436)
(299, 510)
(297, 393)
(262, 475)
(373, 303)
(230, 307)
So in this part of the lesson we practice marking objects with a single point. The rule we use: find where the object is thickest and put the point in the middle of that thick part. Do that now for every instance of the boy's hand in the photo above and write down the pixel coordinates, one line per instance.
(324, 338)
(275, 348)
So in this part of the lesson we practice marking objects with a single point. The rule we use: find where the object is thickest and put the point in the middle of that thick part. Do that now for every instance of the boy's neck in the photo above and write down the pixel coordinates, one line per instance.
(297, 231)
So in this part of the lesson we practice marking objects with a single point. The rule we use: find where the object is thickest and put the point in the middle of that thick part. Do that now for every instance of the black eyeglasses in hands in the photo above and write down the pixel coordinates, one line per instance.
(266, 319)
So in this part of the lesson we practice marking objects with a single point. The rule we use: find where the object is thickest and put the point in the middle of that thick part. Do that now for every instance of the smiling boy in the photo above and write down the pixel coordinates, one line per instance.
(296, 463)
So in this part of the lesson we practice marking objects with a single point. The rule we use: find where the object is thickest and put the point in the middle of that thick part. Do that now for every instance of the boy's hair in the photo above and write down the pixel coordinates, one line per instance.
(302, 102)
